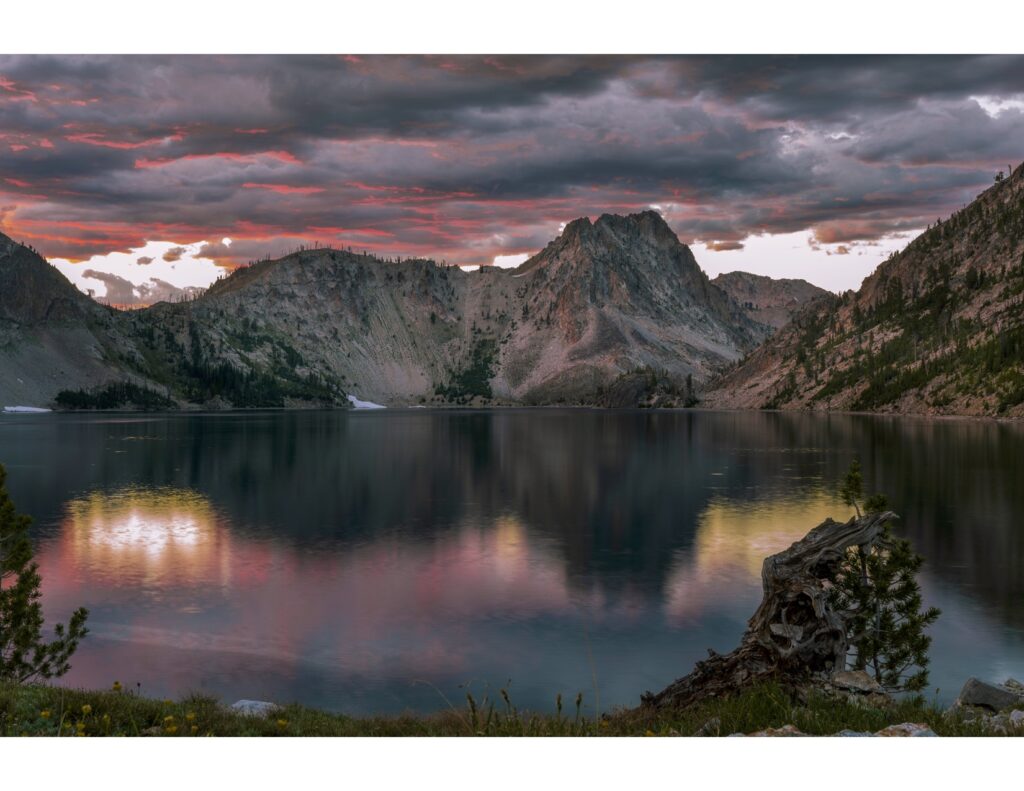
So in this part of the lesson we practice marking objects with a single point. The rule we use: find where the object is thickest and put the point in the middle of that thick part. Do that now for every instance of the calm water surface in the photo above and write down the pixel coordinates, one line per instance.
(383, 561)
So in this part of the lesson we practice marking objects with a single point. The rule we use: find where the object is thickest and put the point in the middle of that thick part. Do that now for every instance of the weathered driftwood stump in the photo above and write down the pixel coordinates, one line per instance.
(796, 636)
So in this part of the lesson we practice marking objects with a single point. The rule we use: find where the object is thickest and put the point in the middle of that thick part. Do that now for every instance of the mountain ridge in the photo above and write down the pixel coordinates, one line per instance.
(601, 300)
(938, 328)
(768, 300)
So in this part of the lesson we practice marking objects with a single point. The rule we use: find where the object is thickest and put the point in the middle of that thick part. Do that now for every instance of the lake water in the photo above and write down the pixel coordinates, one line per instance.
(383, 561)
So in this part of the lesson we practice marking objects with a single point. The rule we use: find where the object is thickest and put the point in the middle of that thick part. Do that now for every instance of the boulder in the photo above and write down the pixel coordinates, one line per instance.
(254, 708)
(856, 681)
(848, 732)
(998, 724)
(989, 696)
(1014, 686)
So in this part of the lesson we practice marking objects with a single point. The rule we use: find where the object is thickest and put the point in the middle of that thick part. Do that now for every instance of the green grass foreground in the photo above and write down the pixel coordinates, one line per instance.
(41, 710)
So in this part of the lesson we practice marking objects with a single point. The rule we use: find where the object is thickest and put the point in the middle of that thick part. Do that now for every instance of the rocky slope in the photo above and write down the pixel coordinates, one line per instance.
(936, 329)
(51, 334)
(603, 300)
(767, 300)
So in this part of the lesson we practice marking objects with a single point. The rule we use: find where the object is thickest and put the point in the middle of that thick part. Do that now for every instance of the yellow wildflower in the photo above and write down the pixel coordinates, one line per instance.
(190, 716)
(169, 719)
(117, 686)
(86, 709)
(282, 723)
(195, 729)
(649, 732)
(171, 730)
(45, 714)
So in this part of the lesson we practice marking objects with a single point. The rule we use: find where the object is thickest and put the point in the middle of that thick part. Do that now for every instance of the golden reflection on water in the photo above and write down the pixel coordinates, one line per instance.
(146, 532)
(731, 543)
(345, 607)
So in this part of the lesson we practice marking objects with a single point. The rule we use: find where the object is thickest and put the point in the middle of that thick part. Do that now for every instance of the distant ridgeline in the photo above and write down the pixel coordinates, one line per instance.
(614, 312)
(611, 311)
(937, 329)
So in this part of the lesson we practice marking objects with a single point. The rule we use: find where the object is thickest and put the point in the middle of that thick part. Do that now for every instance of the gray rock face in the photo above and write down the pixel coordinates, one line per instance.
(989, 696)
(603, 300)
(255, 708)
(766, 300)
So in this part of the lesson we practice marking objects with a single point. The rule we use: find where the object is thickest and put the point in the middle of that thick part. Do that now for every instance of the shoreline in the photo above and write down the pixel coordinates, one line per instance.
(49, 710)
(513, 407)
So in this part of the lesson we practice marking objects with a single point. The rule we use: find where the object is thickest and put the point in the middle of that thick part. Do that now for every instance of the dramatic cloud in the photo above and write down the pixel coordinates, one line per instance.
(174, 254)
(144, 275)
(470, 159)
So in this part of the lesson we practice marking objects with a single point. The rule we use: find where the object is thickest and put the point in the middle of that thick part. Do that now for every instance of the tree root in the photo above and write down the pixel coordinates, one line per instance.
(796, 636)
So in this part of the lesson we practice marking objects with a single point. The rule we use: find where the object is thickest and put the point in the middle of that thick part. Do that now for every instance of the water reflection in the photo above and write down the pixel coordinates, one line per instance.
(732, 541)
(155, 528)
(344, 559)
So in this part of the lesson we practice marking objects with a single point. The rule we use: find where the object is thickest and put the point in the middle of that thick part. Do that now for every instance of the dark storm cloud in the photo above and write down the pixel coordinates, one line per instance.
(468, 157)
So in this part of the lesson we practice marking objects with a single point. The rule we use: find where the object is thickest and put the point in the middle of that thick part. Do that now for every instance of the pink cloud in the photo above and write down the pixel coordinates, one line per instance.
(282, 189)
(280, 156)
(94, 139)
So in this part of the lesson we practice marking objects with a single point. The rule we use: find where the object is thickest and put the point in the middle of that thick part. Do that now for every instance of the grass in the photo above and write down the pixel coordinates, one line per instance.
(43, 710)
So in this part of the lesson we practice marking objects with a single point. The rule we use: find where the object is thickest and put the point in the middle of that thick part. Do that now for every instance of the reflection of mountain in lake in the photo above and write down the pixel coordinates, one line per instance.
(732, 541)
(337, 558)
(618, 495)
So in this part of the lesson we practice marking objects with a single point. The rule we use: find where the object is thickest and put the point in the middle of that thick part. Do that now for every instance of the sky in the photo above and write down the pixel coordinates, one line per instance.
(143, 175)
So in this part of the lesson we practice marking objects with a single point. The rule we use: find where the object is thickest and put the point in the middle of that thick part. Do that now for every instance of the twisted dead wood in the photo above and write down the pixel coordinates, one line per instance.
(796, 635)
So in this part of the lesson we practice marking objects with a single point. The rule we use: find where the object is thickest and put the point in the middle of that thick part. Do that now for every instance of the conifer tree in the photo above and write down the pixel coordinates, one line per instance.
(24, 654)
(877, 587)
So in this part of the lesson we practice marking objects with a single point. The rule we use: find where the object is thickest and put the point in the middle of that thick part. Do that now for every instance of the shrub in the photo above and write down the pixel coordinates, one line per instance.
(24, 654)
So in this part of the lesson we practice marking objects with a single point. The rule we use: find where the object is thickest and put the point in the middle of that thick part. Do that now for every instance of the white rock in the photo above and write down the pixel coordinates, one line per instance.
(255, 708)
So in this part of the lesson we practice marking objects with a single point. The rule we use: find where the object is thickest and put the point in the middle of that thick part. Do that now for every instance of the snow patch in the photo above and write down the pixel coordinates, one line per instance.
(31, 410)
(357, 404)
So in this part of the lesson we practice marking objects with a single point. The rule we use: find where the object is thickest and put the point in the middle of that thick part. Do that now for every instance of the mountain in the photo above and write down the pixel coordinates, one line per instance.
(51, 334)
(606, 299)
(937, 328)
(767, 300)
(610, 297)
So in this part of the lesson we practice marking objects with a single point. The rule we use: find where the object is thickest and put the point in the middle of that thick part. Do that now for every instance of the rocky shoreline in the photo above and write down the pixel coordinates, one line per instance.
(997, 708)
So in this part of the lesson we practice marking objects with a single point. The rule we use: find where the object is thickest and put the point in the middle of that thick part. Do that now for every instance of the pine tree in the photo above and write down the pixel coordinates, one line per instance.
(877, 587)
(24, 654)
